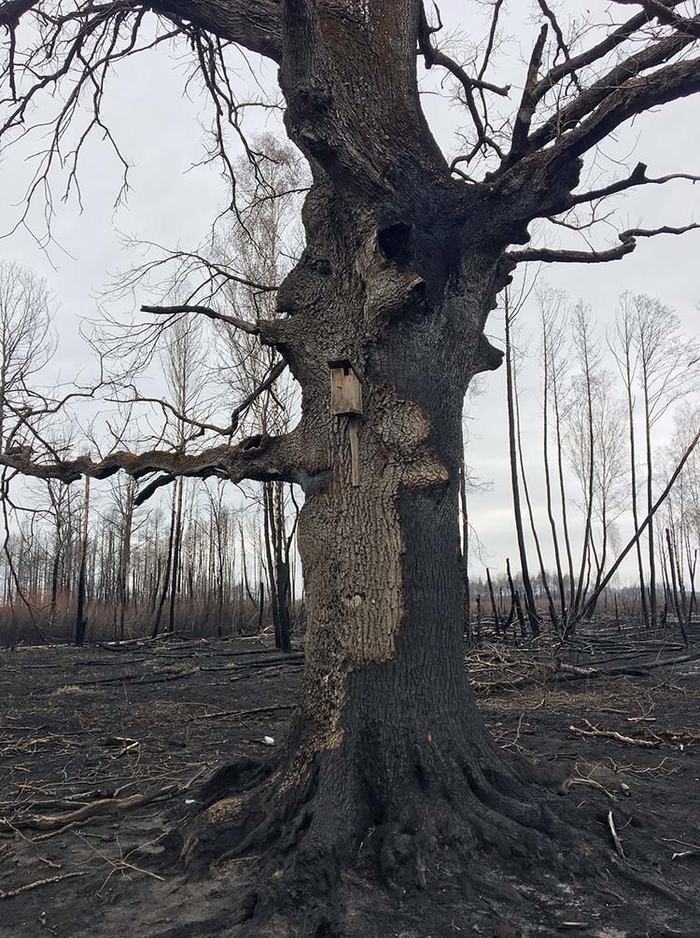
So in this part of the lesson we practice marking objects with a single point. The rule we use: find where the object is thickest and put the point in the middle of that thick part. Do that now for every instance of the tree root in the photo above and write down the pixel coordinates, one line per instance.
(474, 824)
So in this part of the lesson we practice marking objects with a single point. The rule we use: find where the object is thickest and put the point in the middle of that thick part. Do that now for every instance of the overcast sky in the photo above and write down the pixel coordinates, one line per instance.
(160, 129)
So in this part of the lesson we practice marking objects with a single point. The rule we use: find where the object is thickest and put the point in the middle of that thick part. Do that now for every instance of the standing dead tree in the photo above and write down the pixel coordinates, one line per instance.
(552, 330)
(26, 346)
(517, 471)
(626, 359)
(405, 256)
(668, 368)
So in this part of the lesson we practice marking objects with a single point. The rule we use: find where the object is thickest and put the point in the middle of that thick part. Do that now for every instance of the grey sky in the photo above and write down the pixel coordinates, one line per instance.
(172, 203)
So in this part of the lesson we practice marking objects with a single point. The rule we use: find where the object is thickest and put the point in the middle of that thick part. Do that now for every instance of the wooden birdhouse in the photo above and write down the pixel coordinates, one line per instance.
(346, 401)
(346, 389)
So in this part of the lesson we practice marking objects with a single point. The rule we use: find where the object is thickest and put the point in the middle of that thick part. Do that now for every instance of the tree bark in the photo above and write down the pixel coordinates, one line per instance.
(382, 285)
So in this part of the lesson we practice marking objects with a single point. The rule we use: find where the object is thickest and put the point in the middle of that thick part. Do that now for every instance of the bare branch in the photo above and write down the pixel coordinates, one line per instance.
(638, 177)
(661, 11)
(202, 426)
(433, 56)
(623, 86)
(528, 102)
(589, 56)
(561, 42)
(590, 605)
(249, 327)
(492, 36)
(260, 457)
(627, 245)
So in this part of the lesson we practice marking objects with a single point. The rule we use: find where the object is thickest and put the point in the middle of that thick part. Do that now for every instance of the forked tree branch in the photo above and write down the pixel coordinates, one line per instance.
(236, 413)
(589, 56)
(628, 243)
(254, 24)
(631, 98)
(433, 56)
(663, 12)
(528, 102)
(637, 177)
(619, 89)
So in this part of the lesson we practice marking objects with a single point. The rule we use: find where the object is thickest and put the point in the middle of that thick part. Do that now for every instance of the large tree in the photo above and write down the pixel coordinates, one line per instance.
(388, 760)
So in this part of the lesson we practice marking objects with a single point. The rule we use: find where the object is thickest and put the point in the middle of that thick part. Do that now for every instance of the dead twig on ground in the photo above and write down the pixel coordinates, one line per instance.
(243, 713)
(591, 782)
(615, 837)
(39, 882)
(95, 809)
(591, 730)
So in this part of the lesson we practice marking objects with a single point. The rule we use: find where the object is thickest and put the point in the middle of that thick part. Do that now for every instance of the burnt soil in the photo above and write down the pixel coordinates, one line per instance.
(99, 726)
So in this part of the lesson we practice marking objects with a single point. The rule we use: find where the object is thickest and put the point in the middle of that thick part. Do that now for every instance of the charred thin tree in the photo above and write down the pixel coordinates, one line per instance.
(166, 571)
(530, 605)
(80, 616)
(528, 501)
(586, 440)
(551, 341)
(668, 369)
(464, 528)
(625, 357)
(494, 610)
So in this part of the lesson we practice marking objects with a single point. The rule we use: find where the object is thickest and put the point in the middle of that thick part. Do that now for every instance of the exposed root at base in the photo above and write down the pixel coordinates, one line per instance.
(477, 826)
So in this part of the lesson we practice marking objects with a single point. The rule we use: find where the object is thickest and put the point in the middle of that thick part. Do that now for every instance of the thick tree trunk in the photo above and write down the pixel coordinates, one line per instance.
(388, 762)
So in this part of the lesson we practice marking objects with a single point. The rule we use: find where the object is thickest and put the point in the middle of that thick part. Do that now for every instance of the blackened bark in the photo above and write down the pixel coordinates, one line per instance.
(389, 762)
(547, 472)
(496, 617)
(168, 565)
(80, 617)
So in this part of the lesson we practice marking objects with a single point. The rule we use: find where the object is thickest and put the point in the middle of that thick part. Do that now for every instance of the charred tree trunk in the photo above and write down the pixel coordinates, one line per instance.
(547, 472)
(528, 502)
(397, 278)
(635, 509)
(531, 608)
(650, 498)
(674, 586)
(494, 610)
(80, 618)
(125, 558)
(464, 513)
(176, 551)
(168, 565)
